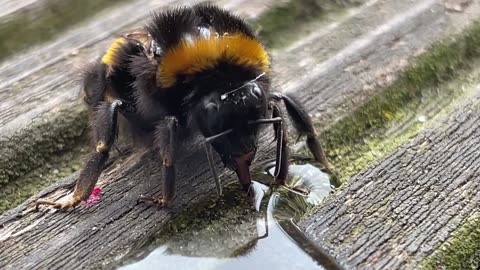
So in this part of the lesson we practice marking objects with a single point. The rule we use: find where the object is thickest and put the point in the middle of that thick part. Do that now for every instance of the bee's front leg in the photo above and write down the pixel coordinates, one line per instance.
(105, 130)
(304, 126)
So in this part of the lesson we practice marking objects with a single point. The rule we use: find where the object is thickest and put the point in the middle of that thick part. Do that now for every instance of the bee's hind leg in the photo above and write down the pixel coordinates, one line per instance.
(282, 158)
(304, 126)
(105, 130)
(166, 140)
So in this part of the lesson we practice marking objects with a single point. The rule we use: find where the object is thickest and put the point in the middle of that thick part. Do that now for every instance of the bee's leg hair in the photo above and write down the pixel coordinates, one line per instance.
(104, 133)
(166, 140)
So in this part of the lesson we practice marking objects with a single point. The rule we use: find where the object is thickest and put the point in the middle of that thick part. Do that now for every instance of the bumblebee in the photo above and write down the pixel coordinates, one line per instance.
(190, 70)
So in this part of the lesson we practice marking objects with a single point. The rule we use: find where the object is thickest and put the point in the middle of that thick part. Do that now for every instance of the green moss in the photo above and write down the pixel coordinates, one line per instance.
(440, 63)
(350, 159)
(461, 252)
(57, 167)
(359, 135)
(282, 23)
(29, 27)
(35, 145)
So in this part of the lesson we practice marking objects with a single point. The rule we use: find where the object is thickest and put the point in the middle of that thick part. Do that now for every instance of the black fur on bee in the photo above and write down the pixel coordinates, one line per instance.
(196, 69)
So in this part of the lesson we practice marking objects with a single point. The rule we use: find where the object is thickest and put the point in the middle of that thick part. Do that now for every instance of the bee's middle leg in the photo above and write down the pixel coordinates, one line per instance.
(166, 140)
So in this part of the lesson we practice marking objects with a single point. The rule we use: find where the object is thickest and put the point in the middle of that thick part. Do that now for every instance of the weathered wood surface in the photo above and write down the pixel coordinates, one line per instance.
(327, 70)
(9, 7)
(400, 210)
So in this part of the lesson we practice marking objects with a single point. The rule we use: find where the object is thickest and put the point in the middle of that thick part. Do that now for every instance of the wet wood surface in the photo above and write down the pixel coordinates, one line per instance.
(332, 70)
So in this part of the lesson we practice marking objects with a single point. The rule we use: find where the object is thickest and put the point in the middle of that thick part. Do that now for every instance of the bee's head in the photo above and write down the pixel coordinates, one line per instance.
(233, 109)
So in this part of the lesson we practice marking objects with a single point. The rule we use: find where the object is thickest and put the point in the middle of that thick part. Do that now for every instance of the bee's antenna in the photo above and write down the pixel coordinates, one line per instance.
(224, 96)
(208, 151)
(226, 132)
(279, 151)
(265, 121)
(256, 122)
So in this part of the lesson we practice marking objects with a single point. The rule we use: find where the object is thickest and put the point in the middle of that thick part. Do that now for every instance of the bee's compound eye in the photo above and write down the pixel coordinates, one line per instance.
(158, 51)
(204, 32)
(256, 91)
(211, 107)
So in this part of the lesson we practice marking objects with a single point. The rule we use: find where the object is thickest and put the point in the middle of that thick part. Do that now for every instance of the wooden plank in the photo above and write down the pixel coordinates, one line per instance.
(335, 66)
(397, 212)
(11, 6)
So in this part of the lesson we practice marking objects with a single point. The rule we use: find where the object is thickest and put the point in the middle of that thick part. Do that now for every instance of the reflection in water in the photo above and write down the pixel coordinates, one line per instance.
(240, 240)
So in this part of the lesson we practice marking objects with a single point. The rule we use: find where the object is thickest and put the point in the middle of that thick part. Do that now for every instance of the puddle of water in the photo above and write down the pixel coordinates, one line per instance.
(243, 239)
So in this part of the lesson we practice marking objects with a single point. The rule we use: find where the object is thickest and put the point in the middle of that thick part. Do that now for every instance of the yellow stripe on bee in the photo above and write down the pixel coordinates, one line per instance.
(191, 57)
(110, 56)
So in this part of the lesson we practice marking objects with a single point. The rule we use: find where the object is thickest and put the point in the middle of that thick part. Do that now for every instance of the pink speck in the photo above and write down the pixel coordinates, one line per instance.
(94, 197)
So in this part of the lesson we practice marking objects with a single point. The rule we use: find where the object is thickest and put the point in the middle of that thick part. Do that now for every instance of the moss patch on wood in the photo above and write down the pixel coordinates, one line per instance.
(32, 26)
(418, 86)
(56, 167)
(210, 210)
(405, 123)
(461, 252)
(35, 145)
(282, 23)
